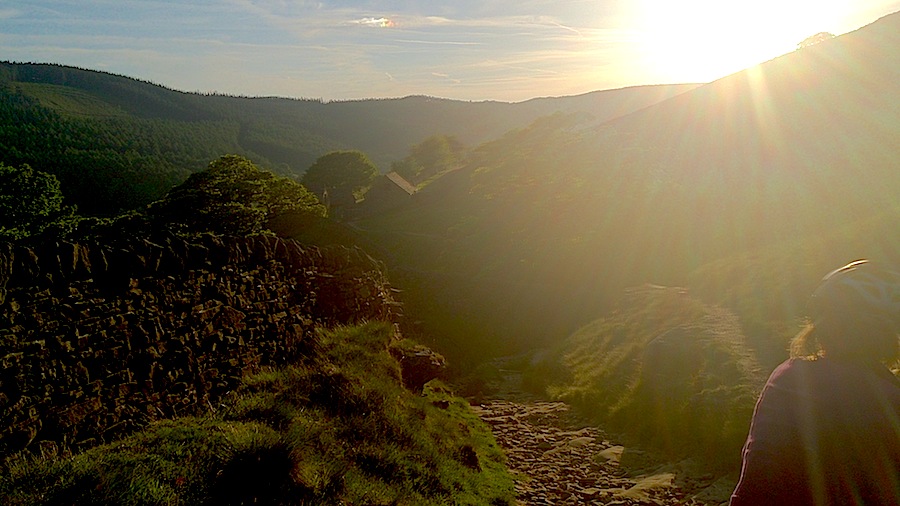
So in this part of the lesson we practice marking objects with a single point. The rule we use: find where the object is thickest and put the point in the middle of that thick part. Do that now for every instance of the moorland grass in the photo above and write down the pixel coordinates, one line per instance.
(666, 370)
(337, 428)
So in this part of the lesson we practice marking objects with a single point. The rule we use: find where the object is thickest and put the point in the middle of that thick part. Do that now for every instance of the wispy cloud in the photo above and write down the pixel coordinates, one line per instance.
(569, 28)
(445, 76)
(439, 42)
(304, 48)
(374, 22)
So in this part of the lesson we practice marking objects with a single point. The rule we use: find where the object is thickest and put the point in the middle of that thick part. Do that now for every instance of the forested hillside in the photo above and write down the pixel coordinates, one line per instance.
(117, 143)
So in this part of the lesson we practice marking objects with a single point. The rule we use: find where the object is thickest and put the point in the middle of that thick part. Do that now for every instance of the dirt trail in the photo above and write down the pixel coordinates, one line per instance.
(561, 460)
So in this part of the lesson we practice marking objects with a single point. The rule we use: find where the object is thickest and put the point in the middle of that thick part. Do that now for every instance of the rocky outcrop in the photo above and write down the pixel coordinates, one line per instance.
(99, 338)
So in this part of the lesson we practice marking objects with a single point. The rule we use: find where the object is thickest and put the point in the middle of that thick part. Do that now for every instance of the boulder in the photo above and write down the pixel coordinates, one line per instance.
(419, 365)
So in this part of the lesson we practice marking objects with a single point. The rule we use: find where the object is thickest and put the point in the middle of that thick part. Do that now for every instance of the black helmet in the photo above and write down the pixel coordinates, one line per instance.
(861, 288)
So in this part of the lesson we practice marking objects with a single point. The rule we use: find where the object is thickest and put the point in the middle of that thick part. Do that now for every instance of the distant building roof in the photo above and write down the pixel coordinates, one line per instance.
(398, 180)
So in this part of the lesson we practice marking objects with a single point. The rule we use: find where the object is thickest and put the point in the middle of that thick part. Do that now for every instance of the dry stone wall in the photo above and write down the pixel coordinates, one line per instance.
(98, 339)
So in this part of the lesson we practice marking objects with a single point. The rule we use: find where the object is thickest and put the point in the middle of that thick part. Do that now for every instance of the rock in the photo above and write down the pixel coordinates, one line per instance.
(469, 458)
(419, 365)
(645, 489)
(613, 454)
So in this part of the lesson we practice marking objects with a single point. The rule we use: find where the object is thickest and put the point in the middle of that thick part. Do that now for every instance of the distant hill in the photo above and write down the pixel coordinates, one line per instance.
(547, 225)
(118, 143)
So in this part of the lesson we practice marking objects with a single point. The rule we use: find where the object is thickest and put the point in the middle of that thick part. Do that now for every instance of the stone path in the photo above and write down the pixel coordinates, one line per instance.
(560, 460)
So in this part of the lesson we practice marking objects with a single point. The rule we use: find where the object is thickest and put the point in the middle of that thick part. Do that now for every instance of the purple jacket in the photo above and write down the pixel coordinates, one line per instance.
(824, 432)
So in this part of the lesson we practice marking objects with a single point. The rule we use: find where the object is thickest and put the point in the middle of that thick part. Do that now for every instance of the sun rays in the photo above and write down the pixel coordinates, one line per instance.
(702, 40)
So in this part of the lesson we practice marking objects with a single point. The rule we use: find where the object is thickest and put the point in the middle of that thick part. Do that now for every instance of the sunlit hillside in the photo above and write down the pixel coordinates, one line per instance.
(808, 139)
(548, 224)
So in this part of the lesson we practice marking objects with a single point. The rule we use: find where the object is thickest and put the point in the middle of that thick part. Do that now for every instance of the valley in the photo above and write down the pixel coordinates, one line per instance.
(212, 299)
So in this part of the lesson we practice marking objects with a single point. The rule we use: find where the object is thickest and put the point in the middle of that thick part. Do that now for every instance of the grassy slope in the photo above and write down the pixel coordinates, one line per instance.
(335, 429)
(699, 398)
(768, 286)
(667, 369)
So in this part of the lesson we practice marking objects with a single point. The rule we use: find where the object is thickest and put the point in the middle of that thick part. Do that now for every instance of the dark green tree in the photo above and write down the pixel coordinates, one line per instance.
(430, 157)
(232, 196)
(31, 202)
(340, 174)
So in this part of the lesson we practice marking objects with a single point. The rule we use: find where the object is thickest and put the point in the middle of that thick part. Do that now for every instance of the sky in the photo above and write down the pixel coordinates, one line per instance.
(506, 50)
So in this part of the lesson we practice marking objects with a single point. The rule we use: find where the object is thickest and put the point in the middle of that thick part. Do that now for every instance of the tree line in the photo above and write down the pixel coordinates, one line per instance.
(233, 195)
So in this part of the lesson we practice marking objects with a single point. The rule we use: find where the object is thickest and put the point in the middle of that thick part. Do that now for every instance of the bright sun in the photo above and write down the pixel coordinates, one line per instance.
(703, 40)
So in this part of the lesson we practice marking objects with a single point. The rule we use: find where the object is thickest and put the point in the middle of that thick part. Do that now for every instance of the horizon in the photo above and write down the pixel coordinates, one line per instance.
(323, 100)
(506, 52)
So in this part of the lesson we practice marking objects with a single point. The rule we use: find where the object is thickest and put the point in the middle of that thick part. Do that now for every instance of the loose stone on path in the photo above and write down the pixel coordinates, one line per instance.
(560, 461)
(554, 465)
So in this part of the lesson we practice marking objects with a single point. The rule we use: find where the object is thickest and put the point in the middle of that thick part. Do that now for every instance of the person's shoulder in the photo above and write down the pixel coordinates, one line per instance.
(797, 372)
(825, 371)
(793, 366)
